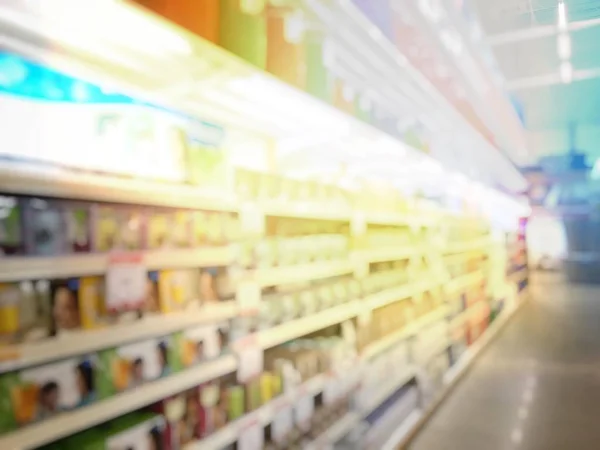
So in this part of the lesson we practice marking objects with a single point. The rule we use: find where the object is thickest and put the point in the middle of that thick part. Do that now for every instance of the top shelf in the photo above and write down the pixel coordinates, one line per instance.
(38, 179)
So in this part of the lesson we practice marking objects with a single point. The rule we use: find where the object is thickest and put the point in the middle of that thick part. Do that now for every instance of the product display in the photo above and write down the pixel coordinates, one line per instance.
(39, 393)
(11, 225)
(25, 311)
(170, 283)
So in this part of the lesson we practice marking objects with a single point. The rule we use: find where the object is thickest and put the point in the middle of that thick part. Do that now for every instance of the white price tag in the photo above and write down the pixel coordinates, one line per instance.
(252, 221)
(303, 410)
(332, 391)
(358, 226)
(250, 358)
(282, 424)
(251, 436)
(248, 296)
(364, 319)
(126, 282)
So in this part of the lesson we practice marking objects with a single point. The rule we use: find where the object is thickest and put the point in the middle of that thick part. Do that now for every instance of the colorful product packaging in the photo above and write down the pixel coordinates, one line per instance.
(25, 312)
(117, 228)
(34, 394)
(11, 223)
(132, 365)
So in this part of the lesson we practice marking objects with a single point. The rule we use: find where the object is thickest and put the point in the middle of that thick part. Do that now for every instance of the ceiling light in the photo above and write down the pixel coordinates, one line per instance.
(564, 46)
(562, 15)
(566, 72)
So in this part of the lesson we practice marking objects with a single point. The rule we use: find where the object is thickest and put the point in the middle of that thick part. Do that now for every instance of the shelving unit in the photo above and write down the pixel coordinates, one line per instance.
(69, 423)
(351, 292)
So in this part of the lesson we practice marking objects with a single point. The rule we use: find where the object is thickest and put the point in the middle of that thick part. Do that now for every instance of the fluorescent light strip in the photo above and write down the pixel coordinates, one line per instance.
(564, 46)
(562, 15)
(566, 72)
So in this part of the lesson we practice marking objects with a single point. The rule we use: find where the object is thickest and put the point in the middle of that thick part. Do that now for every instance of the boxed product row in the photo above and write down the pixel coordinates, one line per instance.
(308, 423)
(377, 237)
(384, 276)
(266, 187)
(135, 431)
(37, 393)
(49, 227)
(382, 370)
(288, 302)
(395, 316)
(199, 412)
(38, 309)
(284, 251)
(293, 226)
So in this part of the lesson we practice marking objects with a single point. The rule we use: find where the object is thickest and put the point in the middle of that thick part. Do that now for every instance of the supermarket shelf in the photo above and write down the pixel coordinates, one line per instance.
(306, 325)
(33, 179)
(477, 244)
(386, 254)
(386, 391)
(433, 351)
(405, 332)
(393, 295)
(400, 435)
(410, 220)
(466, 314)
(22, 268)
(87, 341)
(68, 423)
(264, 415)
(456, 371)
(465, 281)
(307, 211)
(517, 277)
(303, 272)
(451, 377)
(336, 432)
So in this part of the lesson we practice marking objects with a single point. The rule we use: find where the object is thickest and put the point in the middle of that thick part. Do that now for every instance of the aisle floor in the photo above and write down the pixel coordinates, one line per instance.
(537, 386)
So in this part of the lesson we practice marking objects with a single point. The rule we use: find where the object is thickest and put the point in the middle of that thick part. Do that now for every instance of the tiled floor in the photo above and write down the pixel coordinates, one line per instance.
(537, 387)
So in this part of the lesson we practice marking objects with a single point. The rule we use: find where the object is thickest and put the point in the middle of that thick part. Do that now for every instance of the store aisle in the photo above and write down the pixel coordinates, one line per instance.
(537, 387)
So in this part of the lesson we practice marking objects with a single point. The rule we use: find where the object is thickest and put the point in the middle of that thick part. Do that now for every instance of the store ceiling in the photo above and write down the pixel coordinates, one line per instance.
(523, 36)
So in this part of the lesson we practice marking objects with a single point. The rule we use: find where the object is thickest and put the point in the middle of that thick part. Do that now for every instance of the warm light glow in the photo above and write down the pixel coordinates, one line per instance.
(562, 15)
(566, 72)
(564, 46)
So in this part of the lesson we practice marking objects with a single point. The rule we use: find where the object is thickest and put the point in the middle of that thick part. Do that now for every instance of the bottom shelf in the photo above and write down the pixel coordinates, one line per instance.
(411, 425)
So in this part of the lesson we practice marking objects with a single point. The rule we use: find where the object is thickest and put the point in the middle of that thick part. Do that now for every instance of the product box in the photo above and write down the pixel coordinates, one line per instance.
(201, 17)
(159, 227)
(208, 228)
(213, 408)
(25, 312)
(136, 432)
(64, 301)
(37, 393)
(54, 227)
(133, 364)
(117, 227)
(92, 307)
(209, 285)
(45, 228)
(183, 416)
(178, 289)
(285, 47)
(11, 226)
(243, 30)
(193, 346)
(181, 229)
